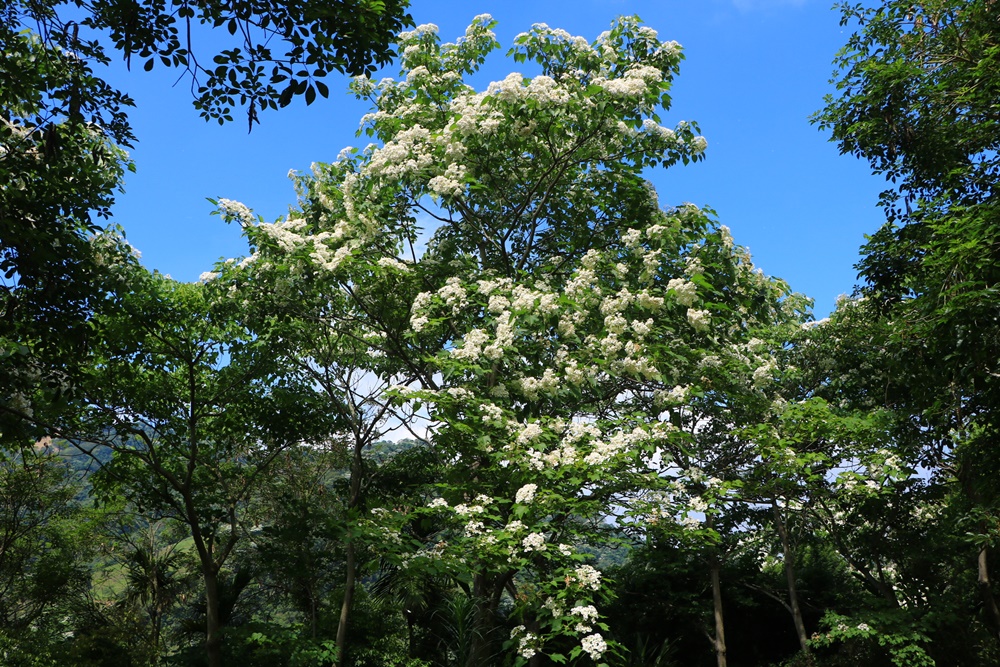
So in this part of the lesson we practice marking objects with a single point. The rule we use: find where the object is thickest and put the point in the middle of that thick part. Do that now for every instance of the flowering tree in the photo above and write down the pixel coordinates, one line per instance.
(559, 325)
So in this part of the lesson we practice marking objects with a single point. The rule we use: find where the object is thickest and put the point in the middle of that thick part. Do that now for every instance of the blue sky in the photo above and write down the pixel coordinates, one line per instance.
(755, 70)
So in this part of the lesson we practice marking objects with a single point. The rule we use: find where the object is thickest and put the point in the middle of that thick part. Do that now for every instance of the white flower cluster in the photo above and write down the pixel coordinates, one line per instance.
(235, 210)
(450, 183)
(529, 432)
(409, 152)
(418, 316)
(454, 294)
(553, 606)
(587, 615)
(534, 542)
(621, 441)
(286, 234)
(466, 510)
(532, 387)
(526, 494)
(393, 264)
(525, 645)
(594, 645)
(700, 320)
(588, 577)
(685, 292)
(638, 81)
(764, 373)
(492, 414)
(693, 266)
(648, 301)
(328, 260)
(472, 345)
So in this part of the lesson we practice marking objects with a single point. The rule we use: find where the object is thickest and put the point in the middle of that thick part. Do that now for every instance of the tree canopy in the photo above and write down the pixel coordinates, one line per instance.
(63, 130)
(614, 439)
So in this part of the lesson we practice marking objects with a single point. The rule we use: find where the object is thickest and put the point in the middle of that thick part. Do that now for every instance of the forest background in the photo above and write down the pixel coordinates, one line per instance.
(817, 484)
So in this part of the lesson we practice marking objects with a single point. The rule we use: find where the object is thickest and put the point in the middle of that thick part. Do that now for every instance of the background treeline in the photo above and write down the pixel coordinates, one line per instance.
(630, 446)
(90, 583)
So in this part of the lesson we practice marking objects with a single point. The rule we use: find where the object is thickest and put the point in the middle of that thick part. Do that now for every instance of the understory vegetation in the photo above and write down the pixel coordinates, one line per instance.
(480, 399)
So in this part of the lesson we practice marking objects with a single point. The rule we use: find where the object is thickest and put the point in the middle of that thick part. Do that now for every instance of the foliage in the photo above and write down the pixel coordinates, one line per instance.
(582, 372)
(918, 101)
(902, 649)
(63, 130)
(554, 327)
(59, 175)
(44, 554)
(918, 86)
(317, 38)
(195, 415)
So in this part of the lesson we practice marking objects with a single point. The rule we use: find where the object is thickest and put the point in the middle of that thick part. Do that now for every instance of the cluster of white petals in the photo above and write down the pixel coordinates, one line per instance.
(235, 210)
(588, 577)
(526, 494)
(534, 542)
(525, 641)
(594, 645)
(587, 615)
(685, 292)
(701, 320)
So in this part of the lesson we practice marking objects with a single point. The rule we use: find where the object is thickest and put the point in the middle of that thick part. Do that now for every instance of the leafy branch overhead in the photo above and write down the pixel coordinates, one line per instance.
(278, 51)
(62, 127)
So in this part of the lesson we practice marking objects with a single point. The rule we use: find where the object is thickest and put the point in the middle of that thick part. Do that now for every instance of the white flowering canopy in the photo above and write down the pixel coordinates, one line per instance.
(560, 326)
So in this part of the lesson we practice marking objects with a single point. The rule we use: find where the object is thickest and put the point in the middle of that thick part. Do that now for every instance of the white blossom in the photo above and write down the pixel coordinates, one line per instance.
(392, 263)
(700, 320)
(472, 345)
(529, 432)
(594, 645)
(534, 542)
(693, 267)
(236, 210)
(526, 494)
(588, 577)
(685, 292)
(763, 374)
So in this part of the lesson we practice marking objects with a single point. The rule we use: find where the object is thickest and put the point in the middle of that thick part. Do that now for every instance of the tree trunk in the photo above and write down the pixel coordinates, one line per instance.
(409, 634)
(720, 629)
(313, 611)
(715, 566)
(213, 626)
(345, 607)
(793, 596)
(350, 578)
(989, 601)
(156, 621)
(482, 623)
